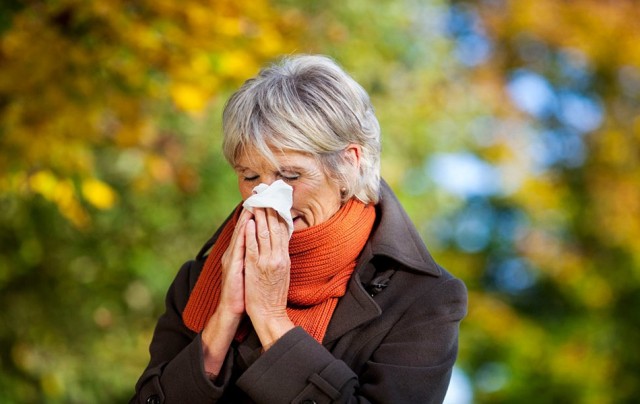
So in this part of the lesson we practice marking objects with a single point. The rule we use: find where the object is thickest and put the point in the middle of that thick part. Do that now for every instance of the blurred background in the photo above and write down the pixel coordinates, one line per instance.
(511, 133)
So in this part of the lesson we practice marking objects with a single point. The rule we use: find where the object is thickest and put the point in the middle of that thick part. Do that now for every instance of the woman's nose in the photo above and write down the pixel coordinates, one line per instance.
(268, 179)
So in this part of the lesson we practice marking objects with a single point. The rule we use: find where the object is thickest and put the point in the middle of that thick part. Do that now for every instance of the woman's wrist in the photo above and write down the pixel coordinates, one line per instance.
(271, 330)
(216, 340)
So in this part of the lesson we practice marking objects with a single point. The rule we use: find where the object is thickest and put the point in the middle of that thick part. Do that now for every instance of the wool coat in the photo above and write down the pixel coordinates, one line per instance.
(393, 337)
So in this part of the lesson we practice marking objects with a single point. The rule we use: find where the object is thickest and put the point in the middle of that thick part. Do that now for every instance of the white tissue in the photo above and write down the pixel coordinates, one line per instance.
(277, 196)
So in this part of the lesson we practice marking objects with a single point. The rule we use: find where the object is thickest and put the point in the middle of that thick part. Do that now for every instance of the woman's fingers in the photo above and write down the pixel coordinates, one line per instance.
(271, 230)
(251, 244)
(232, 287)
(262, 231)
(238, 232)
(267, 263)
(267, 269)
(233, 257)
(278, 232)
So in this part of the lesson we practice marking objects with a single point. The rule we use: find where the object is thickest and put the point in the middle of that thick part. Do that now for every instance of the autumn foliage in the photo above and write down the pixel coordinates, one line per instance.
(77, 76)
(511, 134)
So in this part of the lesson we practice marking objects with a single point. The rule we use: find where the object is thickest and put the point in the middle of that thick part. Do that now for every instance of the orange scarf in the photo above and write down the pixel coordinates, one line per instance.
(323, 258)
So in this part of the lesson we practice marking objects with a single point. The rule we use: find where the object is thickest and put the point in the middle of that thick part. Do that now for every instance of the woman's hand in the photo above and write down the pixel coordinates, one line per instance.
(232, 262)
(223, 324)
(267, 267)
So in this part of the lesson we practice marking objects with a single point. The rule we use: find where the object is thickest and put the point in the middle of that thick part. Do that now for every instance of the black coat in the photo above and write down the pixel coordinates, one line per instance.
(393, 337)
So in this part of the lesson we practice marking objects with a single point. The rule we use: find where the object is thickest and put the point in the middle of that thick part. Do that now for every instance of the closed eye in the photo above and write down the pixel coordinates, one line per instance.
(289, 177)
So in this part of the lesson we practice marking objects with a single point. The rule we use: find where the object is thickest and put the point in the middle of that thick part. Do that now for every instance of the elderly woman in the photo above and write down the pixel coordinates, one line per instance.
(351, 308)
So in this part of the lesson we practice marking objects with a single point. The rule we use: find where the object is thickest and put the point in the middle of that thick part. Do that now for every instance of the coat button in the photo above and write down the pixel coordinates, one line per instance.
(308, 401)
(154, 399)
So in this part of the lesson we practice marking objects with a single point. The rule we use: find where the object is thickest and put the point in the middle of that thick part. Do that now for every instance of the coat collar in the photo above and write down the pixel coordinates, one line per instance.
(394, 236)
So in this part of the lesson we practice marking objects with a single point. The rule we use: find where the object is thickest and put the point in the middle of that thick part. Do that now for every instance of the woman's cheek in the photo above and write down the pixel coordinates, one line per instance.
(245, 191)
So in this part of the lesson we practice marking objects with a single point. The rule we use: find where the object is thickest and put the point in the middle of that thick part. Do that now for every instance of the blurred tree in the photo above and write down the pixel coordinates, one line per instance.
(99, 102)
(76, 75)
(513, 143)
(110, 169)
(399, 51)
(555, 274)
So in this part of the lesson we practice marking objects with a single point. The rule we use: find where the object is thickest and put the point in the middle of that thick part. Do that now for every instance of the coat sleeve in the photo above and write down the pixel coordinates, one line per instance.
(411, 362)
(176, 370)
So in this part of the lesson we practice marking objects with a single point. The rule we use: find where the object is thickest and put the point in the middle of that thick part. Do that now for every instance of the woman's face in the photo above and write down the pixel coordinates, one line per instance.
(315, 196)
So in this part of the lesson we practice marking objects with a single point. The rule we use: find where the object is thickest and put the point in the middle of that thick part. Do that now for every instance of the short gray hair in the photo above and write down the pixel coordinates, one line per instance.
(307, 104)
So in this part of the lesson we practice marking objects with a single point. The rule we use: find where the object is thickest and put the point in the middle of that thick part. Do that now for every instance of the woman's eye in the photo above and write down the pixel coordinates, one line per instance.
(252, 178)
(289, 177)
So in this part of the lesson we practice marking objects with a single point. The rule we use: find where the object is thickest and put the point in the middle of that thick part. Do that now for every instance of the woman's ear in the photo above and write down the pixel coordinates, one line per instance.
(353, 154)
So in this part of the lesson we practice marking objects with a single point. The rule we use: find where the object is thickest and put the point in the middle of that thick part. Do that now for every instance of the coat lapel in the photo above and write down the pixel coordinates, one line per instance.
(356, 307)
(394, 236)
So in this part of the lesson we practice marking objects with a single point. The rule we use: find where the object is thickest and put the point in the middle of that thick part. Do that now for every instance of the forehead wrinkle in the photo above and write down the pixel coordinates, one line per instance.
(287, 161)
(256, 162)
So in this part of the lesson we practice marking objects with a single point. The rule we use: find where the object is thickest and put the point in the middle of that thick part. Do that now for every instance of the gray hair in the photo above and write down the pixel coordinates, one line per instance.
(307, 104)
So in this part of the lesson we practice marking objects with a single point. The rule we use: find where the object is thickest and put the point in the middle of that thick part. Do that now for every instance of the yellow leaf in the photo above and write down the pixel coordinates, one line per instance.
(238, 64)
(44, 183)
(189, 97)
(98, 193)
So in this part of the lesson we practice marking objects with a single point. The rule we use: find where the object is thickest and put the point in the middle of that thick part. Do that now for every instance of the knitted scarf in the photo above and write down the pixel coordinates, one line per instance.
(323, 258)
